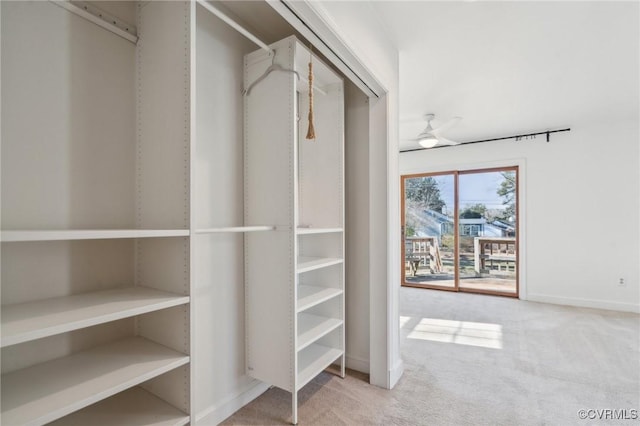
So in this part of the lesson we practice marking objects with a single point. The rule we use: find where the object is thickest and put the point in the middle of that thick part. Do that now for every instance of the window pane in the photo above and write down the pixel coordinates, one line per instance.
(487, 239)
(429, 231)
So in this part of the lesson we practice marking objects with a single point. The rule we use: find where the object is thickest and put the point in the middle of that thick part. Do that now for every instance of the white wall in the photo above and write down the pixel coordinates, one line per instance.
(55, 133)
(581, 209)
(357, 25)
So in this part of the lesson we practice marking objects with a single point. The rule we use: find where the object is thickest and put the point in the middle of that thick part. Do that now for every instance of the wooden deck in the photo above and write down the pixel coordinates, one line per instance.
(487, 265)
(497, 284)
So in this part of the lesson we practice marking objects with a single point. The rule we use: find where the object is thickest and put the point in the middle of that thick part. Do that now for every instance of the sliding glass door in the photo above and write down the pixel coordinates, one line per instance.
(429, 234)
(460, 231)
(487, 216)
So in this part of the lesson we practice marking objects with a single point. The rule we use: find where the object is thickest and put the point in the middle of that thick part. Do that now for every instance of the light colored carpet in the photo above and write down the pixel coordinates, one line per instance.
(481, 360)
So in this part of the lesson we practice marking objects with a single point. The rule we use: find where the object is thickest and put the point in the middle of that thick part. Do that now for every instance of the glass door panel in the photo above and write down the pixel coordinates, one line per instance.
(487, 217)
(429, 237)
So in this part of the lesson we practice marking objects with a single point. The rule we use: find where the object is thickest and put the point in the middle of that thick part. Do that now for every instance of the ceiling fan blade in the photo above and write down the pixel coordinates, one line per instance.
(444, 141)
(446, 126)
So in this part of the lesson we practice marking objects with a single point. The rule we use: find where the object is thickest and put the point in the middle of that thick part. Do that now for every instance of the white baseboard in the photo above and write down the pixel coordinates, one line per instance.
(217, 413)
(395, 373)
(358, 364)
(585, 303)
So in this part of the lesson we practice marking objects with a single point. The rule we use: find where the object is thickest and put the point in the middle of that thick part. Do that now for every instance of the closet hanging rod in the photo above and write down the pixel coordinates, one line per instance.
(101, 18)
(233, 24)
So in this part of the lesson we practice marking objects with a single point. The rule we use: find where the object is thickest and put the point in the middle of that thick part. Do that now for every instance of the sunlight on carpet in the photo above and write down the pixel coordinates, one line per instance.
(485, 335)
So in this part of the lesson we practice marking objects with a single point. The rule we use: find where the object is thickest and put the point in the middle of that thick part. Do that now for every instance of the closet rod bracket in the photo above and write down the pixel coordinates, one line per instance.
(109, 22)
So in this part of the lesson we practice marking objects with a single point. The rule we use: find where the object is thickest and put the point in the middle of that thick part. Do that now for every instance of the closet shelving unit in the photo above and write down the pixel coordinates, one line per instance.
(89, 234)
(95, 217)
(294, 275)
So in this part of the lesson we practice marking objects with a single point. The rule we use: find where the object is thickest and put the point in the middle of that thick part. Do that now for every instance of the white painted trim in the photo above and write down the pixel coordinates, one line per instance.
(462, 166)
(358, 364)
(382, 308)
(217, 413)
(395, 373)
(585, 303)
(340, 54)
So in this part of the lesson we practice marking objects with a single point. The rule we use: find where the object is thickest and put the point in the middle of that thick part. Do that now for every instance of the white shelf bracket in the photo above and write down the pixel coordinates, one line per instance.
(109, 22)
(233, 24)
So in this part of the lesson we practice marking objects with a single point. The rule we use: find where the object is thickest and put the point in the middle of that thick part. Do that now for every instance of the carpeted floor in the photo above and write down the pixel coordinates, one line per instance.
(482, 360)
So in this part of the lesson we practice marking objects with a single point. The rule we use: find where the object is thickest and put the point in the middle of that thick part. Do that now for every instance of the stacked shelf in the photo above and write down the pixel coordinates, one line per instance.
(313, 327)
(309, 230)
(320, 321)
(133, 407)
(48, 391)
(313, 360)
(89, 234)
(51, 390)
(309, 295)
(23, 322)
(96, 318)
(306, 263)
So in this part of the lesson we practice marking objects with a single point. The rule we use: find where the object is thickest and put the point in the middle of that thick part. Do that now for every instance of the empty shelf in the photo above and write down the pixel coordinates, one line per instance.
(313, 360)
(313, 327)
(234, 229)
(306, 264)
(133, 407)
(90, 234)
(309, 296)
(48, 391)
(34, 320)
(306, 231)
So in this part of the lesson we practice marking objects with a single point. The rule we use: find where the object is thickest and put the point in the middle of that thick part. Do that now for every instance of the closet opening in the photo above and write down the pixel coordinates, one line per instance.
(459, 231)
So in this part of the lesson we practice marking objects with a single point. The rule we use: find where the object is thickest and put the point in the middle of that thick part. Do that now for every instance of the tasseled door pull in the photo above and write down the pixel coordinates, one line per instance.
(311, 132)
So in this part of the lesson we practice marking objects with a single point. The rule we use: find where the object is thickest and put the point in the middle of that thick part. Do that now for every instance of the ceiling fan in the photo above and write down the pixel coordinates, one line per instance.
(430, 137)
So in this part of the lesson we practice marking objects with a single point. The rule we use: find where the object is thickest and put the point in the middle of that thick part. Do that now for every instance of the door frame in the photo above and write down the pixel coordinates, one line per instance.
(514, 166)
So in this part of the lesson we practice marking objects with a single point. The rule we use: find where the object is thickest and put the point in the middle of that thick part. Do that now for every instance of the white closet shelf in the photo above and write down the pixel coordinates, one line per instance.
(89, 234)
(34, 320)
(133, 407)
(306, 264)
(309, 295)
(51, 390)
(235, 229)
(313, 360)
(306, 231)
(313, 327)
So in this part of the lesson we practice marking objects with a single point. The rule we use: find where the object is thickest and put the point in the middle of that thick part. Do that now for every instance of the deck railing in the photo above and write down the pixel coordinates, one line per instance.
(423, 251)
(494, 255)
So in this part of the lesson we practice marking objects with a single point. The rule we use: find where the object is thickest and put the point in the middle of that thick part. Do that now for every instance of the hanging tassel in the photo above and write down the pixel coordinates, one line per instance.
(311, 132)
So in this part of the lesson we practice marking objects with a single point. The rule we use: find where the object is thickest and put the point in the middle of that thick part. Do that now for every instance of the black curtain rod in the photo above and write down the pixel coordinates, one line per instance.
(516, 137)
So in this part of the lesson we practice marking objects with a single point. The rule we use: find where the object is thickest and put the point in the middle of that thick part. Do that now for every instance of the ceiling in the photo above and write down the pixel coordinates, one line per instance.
(513, 67)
